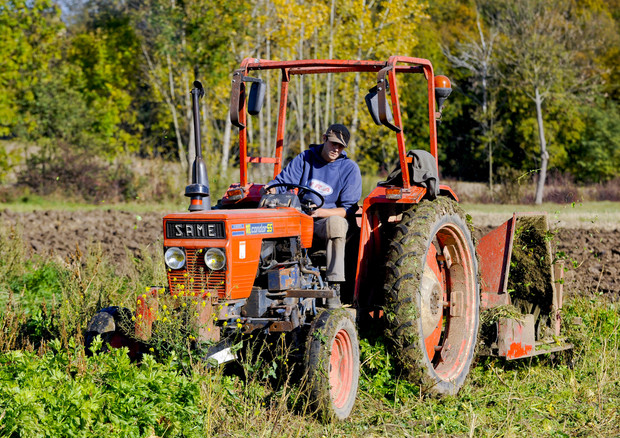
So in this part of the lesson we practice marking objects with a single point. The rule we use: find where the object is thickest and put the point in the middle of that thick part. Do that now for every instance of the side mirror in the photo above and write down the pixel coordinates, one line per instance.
(443, 88)
(257, 97)
(372, 102)
(237, 96)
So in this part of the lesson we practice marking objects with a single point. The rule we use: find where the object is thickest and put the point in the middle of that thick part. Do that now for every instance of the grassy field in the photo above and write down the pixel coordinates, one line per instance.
(604, 214)
(37, 203)
(49, 386)
(60, 391)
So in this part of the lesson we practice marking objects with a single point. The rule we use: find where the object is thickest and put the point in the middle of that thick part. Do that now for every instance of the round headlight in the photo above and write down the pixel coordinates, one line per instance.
(175, 258)
(215, 259)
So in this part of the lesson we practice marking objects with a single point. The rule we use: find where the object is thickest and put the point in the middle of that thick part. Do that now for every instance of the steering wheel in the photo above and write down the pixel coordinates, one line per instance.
(306, 206)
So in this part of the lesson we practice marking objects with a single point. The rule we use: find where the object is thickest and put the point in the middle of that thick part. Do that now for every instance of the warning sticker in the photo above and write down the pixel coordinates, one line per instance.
(238, 229)
(259, 228)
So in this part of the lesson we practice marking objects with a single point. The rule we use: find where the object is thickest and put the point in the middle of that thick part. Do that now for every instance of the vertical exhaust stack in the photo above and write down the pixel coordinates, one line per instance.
(198, 190)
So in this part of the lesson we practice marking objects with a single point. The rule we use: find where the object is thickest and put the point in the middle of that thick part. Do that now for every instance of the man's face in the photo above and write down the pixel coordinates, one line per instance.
(331, 151)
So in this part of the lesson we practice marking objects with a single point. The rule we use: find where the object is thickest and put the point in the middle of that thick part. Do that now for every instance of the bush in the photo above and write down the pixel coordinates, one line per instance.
(72, 175)
(64, 393)
(561, 189)
(608, 191)
(516, 187)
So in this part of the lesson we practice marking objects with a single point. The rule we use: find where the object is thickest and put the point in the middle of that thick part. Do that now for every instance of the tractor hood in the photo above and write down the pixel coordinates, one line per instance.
(188, 229)
(239, 234)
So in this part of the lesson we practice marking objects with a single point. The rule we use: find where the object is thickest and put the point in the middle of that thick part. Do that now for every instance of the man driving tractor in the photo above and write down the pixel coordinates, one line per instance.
(327, 169)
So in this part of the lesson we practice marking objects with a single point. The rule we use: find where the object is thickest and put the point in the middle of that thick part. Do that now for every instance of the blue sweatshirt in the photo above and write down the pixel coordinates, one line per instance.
(340, 182)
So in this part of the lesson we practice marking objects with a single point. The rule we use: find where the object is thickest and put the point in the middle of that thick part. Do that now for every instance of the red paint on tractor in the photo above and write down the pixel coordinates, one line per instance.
(518, 350)
(494, 250)
(515, 338)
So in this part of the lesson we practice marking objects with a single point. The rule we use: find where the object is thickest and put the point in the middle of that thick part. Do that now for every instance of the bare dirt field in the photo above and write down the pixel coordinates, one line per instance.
(592, 253)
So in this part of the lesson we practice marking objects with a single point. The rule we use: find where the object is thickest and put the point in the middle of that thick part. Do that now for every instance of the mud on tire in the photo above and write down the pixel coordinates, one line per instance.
(432, 296)
(333, 364)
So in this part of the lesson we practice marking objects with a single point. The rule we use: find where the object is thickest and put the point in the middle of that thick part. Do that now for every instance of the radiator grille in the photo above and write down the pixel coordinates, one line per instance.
(204, 279)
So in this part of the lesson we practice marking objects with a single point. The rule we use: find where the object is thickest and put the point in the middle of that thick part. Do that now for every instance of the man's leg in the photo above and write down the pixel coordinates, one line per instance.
(333, 229)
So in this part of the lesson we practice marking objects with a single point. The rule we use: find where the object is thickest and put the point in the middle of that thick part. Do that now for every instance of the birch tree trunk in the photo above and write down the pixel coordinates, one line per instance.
(329, 92)
(544, 155)
(270, 140)
(491, 166)
(171, 101)
(310, 116)
(300, 96)
(317, 108)
(262, 145)
(226, 146)
(206, 130)
(191, 145)
(356, 99)
(317, 95)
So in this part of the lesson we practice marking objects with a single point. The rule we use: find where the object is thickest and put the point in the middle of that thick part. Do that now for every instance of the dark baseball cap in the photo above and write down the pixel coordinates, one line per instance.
(338, 133)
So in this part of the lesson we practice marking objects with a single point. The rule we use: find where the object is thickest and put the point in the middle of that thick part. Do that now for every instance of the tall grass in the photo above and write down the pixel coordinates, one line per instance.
(49, 386)
(513, 187)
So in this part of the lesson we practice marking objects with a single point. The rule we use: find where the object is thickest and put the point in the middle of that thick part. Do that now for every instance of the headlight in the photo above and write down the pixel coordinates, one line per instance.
(175, 258)
(215, 259)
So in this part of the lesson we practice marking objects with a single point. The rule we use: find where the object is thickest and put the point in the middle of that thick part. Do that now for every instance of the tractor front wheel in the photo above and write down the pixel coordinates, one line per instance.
(432, 297)
(112, 324)
(333, 363)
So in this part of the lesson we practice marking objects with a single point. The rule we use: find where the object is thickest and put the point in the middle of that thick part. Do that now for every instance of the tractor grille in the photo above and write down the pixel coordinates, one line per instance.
(196, 277)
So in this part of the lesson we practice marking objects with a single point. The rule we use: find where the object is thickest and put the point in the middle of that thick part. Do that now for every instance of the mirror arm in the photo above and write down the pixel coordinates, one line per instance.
(237, 95)
(382, 86)
(251, 79)
(238, 90)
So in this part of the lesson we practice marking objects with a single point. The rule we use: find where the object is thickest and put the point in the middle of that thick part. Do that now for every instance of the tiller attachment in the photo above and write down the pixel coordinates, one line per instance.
(523, 285)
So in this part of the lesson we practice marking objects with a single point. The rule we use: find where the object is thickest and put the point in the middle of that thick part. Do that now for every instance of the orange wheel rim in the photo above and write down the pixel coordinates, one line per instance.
(341, 369)
(448, 302)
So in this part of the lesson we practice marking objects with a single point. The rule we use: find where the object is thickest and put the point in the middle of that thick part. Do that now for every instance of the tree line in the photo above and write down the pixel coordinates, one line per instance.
(534, 81)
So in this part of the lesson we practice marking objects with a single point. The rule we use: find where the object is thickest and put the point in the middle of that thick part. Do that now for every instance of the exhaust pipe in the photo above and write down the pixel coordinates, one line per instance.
(198, 190)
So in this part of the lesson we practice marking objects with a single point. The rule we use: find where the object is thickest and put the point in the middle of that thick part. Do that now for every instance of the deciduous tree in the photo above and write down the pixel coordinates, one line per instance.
(477, 55)
(542, 48)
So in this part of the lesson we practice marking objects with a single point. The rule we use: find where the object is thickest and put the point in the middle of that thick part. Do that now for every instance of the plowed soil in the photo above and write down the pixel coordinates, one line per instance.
(592, 255)
(591, 260)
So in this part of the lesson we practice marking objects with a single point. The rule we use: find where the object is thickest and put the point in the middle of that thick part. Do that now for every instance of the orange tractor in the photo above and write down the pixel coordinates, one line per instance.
(248, 265)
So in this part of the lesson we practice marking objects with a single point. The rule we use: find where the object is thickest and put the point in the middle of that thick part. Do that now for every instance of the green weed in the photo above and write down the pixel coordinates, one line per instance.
(64, 393)
(49, 387)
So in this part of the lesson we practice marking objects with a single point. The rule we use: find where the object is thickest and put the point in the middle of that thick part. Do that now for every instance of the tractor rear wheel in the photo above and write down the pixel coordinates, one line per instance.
(432, 297)
(333, 363)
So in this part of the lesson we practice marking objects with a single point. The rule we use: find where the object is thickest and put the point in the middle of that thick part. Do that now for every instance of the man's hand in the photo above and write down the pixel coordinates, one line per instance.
(326, 212)
(271, 191)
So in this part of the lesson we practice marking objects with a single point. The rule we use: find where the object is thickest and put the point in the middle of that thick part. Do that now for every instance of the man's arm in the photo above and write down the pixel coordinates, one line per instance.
(292, 173)
(327, 212)
(352, 189)
(348, 197)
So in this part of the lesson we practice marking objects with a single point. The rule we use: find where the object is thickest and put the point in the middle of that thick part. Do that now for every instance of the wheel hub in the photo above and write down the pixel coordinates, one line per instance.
(432, 299)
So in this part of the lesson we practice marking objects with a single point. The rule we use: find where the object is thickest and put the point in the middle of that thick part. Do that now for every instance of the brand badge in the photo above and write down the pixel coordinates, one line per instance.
(259, 228)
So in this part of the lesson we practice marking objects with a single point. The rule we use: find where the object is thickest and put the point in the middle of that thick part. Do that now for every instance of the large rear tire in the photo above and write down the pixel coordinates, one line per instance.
(333, 364)
(432, 297)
